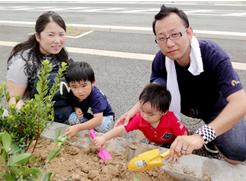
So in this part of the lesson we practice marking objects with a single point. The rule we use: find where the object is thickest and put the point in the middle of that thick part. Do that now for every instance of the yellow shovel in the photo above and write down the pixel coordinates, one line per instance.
(147, 160)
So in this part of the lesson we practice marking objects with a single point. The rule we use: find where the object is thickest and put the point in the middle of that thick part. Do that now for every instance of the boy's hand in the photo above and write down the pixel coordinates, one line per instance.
(99, 141)
(79, 113)
(71, 131)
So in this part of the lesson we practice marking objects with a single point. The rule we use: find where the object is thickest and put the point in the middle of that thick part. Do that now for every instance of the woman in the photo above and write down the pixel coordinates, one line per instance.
(25, 61)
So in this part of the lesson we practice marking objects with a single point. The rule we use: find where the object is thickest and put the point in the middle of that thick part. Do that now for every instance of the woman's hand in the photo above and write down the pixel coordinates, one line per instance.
(15, 89)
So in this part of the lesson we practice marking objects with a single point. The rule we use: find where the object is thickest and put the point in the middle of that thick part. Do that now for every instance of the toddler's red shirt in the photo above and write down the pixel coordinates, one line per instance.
(167, 130)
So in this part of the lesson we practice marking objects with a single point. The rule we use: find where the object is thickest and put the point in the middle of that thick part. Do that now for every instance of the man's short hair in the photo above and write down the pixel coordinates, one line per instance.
(166, 11)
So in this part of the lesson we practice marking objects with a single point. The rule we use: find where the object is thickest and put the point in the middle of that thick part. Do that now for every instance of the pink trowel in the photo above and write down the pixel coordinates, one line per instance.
(103, 153)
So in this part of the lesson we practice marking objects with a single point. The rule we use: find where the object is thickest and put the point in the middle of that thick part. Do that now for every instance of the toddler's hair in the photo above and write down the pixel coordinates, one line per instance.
(79, 71)
(158, 97)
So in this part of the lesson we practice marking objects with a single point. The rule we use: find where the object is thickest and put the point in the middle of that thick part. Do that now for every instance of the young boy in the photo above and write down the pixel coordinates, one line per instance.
(92, 109)
(155, 121)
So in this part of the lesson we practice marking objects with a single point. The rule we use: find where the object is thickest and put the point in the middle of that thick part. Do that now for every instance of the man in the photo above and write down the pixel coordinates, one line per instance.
(203, 84)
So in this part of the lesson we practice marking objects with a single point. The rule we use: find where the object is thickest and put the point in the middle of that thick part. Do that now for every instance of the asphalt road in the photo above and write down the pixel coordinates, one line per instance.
(121, 79)
(206, 15)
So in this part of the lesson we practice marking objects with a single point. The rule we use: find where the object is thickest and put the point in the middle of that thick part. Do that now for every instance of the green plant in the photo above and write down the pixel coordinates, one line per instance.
(16, 164)
(28, 123)
(69, 27)
(20, 127)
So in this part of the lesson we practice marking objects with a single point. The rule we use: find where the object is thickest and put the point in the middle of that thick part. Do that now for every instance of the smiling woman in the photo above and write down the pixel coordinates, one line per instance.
(24, 63)
(53, 39)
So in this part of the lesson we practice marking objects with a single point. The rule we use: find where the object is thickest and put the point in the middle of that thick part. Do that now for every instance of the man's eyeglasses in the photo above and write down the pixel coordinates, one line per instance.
(173, 36)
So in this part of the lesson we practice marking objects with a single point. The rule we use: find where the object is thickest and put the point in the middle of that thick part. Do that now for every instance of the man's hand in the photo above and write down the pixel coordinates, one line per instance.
(173, 159)
(123, 120)
(99, 141)
(71, 131)
(184, 145)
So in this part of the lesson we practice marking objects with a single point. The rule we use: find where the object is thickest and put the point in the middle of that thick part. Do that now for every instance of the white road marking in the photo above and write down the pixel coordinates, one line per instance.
(198, 11)
(92, 10)
(117, 10)
(73, 8)
(23, 9)
(80, 35)
(135, 11)
(16, 22)
(235, 14)
(127, 55)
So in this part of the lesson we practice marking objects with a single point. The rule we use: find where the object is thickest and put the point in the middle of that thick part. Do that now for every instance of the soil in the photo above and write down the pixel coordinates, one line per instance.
(84, 164)
(75, 32)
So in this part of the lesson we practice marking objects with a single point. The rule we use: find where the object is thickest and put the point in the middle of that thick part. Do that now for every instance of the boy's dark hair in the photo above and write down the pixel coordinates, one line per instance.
(79, 71)
(158, 96)
(166, 11)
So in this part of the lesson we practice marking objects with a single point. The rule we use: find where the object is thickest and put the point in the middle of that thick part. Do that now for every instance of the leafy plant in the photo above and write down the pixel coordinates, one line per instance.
(28, 123)
(16, 164)
(20, 127)
(69, 27)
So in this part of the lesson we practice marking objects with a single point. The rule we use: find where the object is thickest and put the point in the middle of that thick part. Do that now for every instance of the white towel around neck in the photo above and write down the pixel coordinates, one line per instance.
(196, 67)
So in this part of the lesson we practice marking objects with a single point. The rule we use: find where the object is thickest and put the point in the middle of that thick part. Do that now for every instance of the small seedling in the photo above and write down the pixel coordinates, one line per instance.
(62, 140)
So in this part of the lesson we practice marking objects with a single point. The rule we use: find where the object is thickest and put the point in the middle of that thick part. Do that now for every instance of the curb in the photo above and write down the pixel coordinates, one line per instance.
(191, 167)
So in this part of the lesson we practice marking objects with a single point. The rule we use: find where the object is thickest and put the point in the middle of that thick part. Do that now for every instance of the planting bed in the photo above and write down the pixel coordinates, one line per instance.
(77, 164)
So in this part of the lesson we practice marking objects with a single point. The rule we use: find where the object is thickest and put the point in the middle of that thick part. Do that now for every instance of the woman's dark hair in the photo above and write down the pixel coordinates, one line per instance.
(32, 43)
(79, 71)
(158, 97)
(166, 11)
